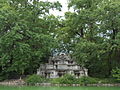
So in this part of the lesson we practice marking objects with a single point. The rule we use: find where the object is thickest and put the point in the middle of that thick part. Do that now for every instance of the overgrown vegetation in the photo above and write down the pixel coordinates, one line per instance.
(29, 34)
(68, 79)
(87, 80)
(26, 38)
(33, 79)
(116, 74)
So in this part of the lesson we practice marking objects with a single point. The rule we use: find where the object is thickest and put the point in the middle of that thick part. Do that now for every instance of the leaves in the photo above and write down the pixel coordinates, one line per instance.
(25, 35)
(91, 35)
(116, 73)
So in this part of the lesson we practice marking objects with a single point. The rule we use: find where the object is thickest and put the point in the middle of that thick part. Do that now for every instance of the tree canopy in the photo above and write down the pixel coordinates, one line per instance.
(29, 34)
(26, 37)
(91, 34)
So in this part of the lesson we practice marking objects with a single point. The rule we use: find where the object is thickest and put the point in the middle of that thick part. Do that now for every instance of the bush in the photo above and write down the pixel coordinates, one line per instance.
(55, 81)
(87, 80)
(33, 79)
(116, 74)
(66, 79)
(2, 78)
(69, 79)
(107, 80)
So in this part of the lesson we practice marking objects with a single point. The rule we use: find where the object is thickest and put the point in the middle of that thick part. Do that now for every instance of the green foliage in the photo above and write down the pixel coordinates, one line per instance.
(116, 74)
(66, 79)
(107, 80)
(87, 80)
(91, 35)
(55, 81)
(2, 78)
(29, 35)
(33, 79)
(26, 35)
(85, 51)
(69, 79)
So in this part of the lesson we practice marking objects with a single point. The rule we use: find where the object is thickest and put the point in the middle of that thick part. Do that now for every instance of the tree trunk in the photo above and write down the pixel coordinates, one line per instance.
(82, 33)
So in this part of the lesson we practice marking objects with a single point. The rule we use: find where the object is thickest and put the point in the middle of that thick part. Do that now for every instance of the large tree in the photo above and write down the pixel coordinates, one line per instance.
(91, 33)
(26, 35)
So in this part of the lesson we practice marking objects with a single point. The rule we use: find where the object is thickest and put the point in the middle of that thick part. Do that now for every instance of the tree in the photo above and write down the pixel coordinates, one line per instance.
(91, 33)
(25, 35)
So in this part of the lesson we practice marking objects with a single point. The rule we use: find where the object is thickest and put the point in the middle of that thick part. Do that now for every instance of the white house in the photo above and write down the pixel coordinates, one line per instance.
(59, 65)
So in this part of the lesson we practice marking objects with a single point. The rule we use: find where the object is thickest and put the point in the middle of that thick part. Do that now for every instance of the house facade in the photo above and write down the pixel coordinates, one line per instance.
(59, 65)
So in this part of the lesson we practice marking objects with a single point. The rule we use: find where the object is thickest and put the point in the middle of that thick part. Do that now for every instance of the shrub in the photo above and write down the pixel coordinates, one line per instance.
(2, 78)
(116, 74)
(70, 79)
(66, 79)
(33, 79)
(107, 80)
(87, 80)
(55, 81)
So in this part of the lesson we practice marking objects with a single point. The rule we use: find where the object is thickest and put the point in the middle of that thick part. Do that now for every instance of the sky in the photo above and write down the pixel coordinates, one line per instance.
(64, 7)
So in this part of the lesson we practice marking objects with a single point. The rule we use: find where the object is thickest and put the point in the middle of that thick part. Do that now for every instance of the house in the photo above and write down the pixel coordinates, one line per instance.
(59, 65)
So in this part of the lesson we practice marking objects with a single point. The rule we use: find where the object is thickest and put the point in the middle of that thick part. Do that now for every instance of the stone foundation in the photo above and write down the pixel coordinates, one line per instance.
(13, 82)
(21, 82)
